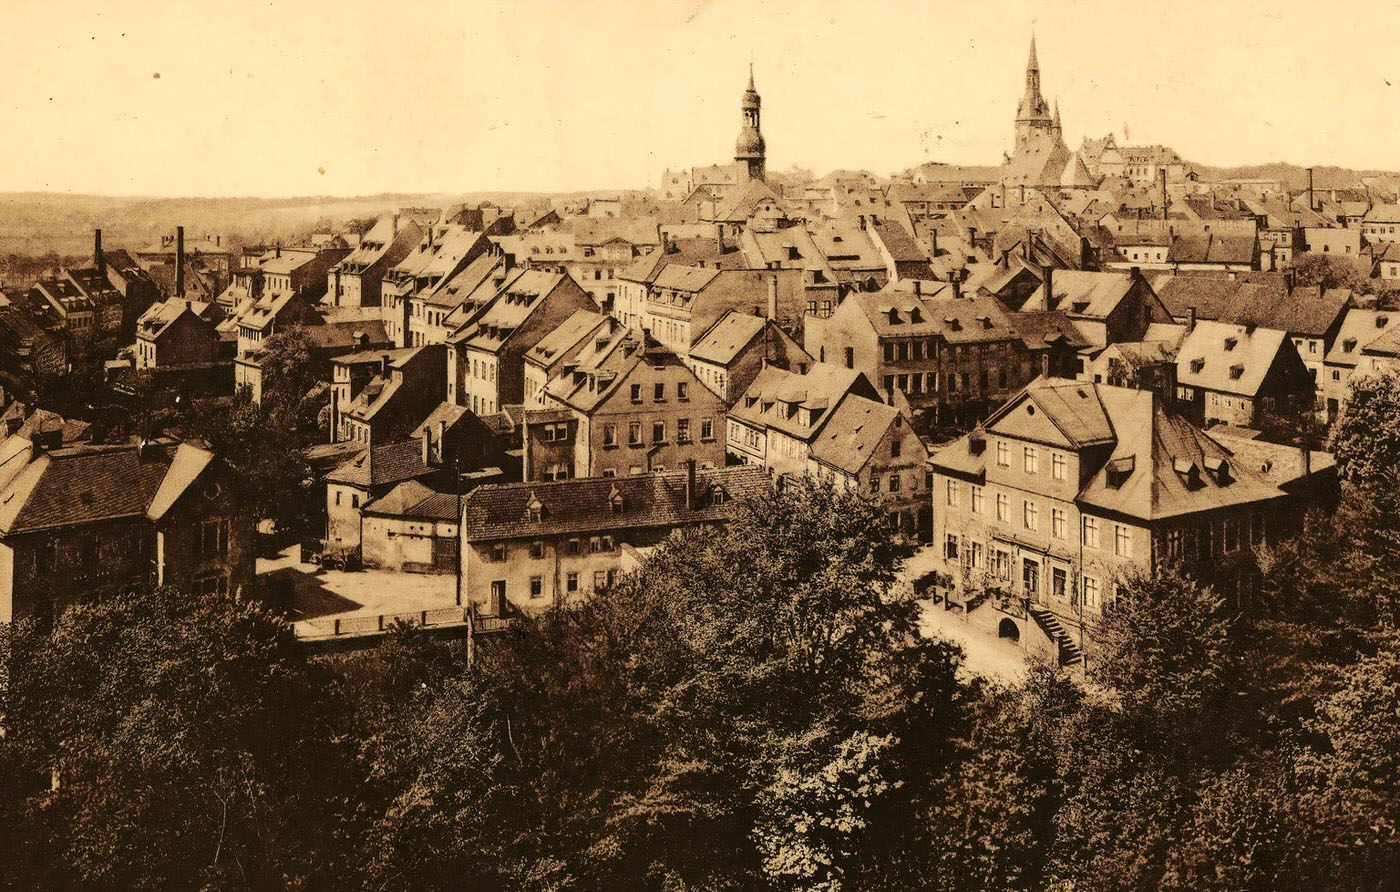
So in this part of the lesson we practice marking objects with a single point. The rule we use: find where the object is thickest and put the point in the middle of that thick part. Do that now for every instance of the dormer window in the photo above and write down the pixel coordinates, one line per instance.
(1231, 343)
(1236, 372)
(1197, 365)
(1348, 345)
(1118, 471)
(915, 315)
(615, 502)
(1382, 321)
(894, 316)
(534, 509)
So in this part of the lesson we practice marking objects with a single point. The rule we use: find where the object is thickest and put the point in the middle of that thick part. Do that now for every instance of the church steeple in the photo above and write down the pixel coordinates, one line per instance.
(1033, 114)
(750, 148)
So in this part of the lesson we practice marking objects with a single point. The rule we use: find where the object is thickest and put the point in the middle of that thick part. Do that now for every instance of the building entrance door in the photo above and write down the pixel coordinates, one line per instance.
(1030, 578)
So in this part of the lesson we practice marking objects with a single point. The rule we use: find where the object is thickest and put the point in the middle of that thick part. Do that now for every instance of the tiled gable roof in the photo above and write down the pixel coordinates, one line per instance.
(584, 505)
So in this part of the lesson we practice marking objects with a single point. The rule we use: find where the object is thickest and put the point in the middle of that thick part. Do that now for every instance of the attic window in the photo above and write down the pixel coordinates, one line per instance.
(1236, 372)
(915, 315)
(1349, 345)
(615, 500)
(718, 496)
(1188, 470)
(1231, 343)
(952, 323)
(1197, 365)
(1220, 468)
(1119, 470)
(894, 316)
(1079, 306)
(534, 510)
(1382, 321)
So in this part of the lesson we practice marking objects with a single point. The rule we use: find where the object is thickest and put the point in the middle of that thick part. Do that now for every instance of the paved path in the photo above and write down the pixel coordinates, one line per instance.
(983, 654)
(321, 594)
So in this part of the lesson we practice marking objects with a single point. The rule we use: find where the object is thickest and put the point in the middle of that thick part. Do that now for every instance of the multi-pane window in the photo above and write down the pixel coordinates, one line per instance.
(634, 433)
(610, 434)
(1031, 459)
(975, 555)
(658, 432)
(537, 586)
(1057, 523)
(1057, 465)
(952, 487)
(1122, 540)
(1003, 507)
(976, 499)
(1030, 515)
(683, 431)
(1090, 537)
(571, 583)
(894, 483)
(1003, 454)
(950, 547)
(1091, 592)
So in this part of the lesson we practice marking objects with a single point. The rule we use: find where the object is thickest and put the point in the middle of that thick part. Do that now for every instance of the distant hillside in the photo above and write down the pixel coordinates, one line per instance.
(1293, 176)
(37, 223)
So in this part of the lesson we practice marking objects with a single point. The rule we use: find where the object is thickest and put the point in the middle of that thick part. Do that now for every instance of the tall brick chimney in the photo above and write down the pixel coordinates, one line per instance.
(1162, 176)
(773, 296)
(98, 260)
(179, 261)
(1311, 205)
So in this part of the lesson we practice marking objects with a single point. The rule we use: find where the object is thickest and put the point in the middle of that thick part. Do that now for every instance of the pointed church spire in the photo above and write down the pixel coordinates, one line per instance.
(751, 89)
(1032, 64)
(1057, 111)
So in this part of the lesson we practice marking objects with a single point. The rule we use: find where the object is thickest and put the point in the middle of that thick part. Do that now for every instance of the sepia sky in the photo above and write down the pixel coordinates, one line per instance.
(296, 97)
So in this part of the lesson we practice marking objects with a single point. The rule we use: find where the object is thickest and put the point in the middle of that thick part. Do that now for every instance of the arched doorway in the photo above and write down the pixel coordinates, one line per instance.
(1009, 631)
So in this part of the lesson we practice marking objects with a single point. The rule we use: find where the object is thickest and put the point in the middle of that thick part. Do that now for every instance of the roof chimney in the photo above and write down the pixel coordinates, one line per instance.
(719, 237)
(396, 225)
(1311, 205)
(1162, 175)
(1047, 274)
(98, 260)
(1191, 318)
(773, 296)
(180, 261)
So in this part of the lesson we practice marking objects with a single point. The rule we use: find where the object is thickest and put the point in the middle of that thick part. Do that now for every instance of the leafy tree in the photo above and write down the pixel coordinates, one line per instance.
(1331, 271)
(1167, 656)
(187, 739)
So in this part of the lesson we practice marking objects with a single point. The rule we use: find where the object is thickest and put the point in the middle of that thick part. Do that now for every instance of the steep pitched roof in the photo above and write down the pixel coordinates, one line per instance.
(83, 484)
(1228, 358)
(727, 337)
(379, 465)
(848, 439)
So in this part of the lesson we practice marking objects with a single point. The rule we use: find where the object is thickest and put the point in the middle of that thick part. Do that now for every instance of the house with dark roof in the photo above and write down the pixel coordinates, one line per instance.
(624, 405)
(547, 359)
(871, 447)
(1242, 375)
(780, 415)
(527, 547)
(730, 353)
(1106, 307)
(1359, 330)
(915, 338)
(367, 476)
(486, 366)
(411, 529)
(80, 520)
(1070, 486)
(357, 279)
(380, 396)
(177, 332)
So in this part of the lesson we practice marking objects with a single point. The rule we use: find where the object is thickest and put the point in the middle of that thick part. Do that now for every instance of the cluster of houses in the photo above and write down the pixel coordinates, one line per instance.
(1052, 372)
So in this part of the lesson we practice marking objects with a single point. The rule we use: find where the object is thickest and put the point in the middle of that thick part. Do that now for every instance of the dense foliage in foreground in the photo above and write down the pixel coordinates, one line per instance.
(751, 711)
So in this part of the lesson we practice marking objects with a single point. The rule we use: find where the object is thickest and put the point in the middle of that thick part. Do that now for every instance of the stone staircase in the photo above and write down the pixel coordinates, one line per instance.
(1069, 650)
